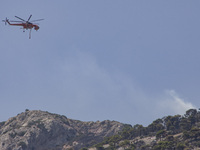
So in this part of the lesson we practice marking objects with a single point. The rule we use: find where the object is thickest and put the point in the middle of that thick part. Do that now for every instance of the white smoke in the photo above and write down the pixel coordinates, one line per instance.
(174, 104)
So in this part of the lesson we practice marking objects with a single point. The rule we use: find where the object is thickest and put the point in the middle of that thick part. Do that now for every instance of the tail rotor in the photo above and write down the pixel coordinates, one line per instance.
(6, 21)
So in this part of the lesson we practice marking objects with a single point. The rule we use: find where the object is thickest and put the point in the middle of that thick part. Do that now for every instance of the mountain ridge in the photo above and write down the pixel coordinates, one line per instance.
(178, 132)
(40, 130)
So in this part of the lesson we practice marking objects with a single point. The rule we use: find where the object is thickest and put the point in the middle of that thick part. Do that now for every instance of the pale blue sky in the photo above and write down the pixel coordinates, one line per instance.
(131, 61)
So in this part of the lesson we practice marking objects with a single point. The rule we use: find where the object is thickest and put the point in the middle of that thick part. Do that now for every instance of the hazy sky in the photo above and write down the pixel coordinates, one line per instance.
(132, 61)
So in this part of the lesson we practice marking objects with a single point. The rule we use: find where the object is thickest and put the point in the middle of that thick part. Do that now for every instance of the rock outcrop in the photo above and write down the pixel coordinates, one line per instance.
(39, 130)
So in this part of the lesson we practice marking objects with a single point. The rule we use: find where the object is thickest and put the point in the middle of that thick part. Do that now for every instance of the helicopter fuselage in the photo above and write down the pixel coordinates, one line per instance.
(25, 25)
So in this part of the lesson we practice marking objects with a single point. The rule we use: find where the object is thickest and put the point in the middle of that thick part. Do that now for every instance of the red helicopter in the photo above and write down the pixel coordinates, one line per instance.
(25, 24)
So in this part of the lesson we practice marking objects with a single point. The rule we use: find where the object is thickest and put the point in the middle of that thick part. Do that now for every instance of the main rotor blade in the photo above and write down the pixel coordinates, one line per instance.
(20, 18)
(37, 20)
(5, 21)
(29, 18)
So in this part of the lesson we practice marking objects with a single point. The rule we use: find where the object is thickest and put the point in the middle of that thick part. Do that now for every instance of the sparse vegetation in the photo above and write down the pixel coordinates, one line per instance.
(171, 132)
(1, 124)
(33, 122)
(84, 148)
(13, 135)
(21, 133)
(22, 144)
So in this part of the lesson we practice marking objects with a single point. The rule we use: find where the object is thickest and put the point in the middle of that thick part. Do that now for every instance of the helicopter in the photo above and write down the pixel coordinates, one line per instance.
(25, 24)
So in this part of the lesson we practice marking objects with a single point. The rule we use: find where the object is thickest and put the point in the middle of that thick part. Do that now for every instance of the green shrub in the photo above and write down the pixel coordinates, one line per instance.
(22, 144)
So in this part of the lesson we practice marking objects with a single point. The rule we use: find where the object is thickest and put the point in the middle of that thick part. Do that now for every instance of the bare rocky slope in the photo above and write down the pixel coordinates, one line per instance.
(39, 130)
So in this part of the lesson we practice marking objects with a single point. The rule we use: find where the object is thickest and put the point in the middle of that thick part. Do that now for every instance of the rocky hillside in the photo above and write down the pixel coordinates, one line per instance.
(39, 130)
(169, 133)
